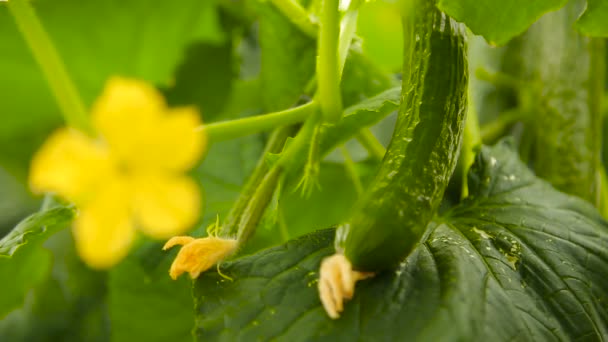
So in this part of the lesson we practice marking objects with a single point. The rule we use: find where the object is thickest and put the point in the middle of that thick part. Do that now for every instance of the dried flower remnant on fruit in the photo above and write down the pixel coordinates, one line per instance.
(337, 283)
(198, 255)
(129, 176)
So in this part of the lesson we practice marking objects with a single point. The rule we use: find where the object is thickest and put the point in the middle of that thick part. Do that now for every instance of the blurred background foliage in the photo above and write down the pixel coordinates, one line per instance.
(230, 58)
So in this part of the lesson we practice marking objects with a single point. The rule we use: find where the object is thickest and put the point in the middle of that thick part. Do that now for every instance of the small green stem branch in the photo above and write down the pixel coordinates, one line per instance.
(603, 201)
(297, 15)
(349, 165)
(45, 54)
(347, 33)
(309, 181)
(368, 140)
(499, 79)
(471, 139)
(495, 129)
(274, 145)
(262, 195)
(226, 130)
(328, 75)
(596, 89)
(289, 157)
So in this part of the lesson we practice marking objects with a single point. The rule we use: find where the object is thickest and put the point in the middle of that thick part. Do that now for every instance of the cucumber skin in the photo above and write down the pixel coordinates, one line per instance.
(558, 60)
(391, 217)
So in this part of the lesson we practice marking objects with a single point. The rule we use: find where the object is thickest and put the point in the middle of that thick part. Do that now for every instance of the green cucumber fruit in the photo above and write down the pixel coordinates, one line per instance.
(391, 217)
(566, 71)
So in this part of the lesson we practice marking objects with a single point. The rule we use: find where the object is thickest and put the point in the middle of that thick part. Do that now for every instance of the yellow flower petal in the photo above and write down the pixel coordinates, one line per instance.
(165, 205)
(127, 115)
(133, 118)
(103, 231)
(179, 144)
(70, 164)
(199, 255)
(177, 240)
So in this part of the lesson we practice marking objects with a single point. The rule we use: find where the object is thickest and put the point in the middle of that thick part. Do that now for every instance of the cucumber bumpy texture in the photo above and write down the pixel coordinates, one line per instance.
(391, 217)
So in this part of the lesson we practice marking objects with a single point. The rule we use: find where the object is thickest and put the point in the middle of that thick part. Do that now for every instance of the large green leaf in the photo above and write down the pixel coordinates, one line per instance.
(141, 294)
(517, 260)
(23, 261)
(594, 19)
(498, 21)
(35, 228)
(68, 305)
(287, 59)
(145, 304)
(144, 39)
(358, 116)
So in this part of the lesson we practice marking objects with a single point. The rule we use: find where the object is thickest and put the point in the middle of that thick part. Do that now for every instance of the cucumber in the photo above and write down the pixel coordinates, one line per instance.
(566, 70)
(391, 217)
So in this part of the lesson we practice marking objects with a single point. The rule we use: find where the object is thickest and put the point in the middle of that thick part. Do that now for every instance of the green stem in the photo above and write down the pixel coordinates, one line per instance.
(603, 203)
(495, 129)
(470, 141)
(349, 165)
(499, 79)
(327, 73)
(62, 87)
(283, 225)
(274, 145)
(596, 95)
(257, 205)
(368, 140)
(227, 130)
(263, 194)
(289, 157)
(347, 33)
(297, 15)
(310, 177)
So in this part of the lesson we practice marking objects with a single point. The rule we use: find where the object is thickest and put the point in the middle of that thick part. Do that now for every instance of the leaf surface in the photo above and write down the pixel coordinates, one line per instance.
(517, 260)
(593, 21)
(23, 261)
(498, 21)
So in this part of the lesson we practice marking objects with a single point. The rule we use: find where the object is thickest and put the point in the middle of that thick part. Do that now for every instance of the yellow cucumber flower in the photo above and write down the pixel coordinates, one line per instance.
(130, 176)
(198, 255)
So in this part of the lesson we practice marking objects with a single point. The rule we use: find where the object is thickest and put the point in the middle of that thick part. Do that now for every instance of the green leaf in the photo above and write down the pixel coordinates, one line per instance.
(23, 261)
(358, 116)
(144, 303)
(517, 260)
(498, 21)
(69, 305)
(594, 19)
(363, 79)
(287, 59)
(143, 39)
(204, 79)
(35, 228)
(379, 27)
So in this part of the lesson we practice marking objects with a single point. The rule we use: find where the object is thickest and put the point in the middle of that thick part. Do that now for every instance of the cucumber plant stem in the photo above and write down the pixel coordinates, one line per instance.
(369, 141)
(261, 196)
(231, 129)
(53, 68)
(471, 139)
(597, 58)
(274, 145)
(493, 130)
(349, 166)
(297, 15)
(328, 76)
(499, 79)
(347, 32)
